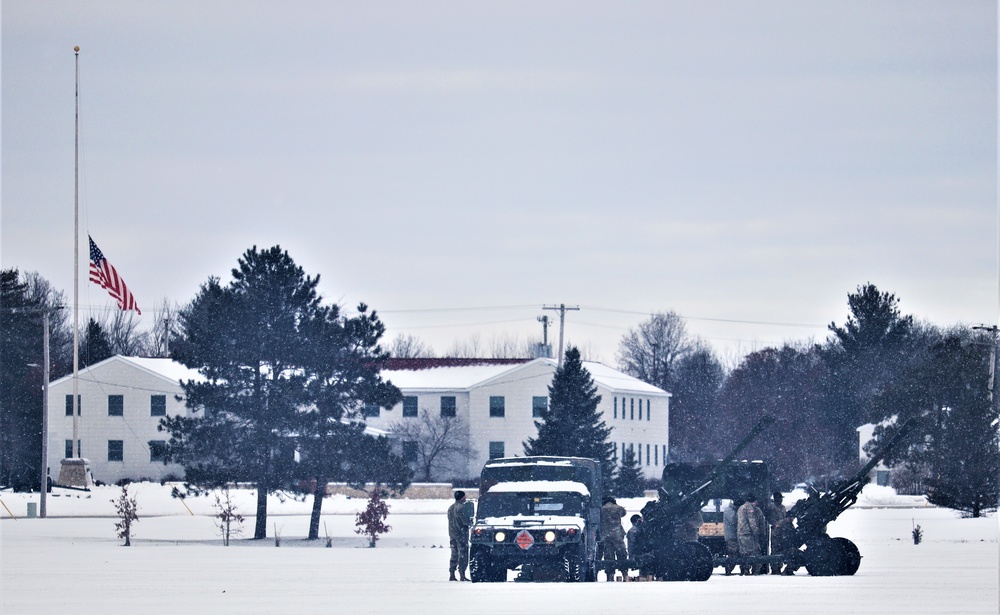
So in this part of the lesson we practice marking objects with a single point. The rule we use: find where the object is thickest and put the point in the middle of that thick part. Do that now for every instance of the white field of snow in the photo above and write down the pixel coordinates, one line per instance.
(72, 562)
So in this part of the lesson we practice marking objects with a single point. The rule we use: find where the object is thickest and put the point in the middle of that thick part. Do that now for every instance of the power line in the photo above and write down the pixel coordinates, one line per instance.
(706, 318)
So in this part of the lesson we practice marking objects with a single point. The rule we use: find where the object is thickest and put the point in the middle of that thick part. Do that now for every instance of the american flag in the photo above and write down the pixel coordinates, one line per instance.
(104, 275)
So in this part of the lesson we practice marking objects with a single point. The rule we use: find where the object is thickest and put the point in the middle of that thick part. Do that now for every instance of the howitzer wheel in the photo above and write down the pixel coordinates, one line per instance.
(823, 557)
(699, 561)
(850, 556)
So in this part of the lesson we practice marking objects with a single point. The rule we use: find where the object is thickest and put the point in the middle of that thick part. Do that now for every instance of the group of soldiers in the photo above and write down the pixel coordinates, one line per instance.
(745, 525)
(748, 527)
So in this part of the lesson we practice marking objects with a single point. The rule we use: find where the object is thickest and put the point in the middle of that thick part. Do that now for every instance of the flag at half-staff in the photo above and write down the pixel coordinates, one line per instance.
(104, 275)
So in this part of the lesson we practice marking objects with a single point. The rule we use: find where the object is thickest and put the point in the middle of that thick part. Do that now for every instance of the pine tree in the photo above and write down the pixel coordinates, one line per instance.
(23, 301)
(572, 425)
(95, 345)
(629, 483)
(964, 446)
(958, 445)
(864, 356)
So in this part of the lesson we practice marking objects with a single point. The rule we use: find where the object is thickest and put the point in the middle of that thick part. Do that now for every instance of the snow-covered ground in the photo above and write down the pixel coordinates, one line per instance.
(72, 562)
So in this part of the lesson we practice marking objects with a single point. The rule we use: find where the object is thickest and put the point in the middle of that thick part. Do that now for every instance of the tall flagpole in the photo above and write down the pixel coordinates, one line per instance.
(75, 445)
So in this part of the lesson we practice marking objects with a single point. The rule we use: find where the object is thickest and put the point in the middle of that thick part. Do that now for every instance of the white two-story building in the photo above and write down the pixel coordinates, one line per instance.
(122, 400)
(499, 400)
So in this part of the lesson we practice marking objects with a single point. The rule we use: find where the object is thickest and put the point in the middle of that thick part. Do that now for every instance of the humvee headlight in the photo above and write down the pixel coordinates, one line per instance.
(550, 536)
(499, 536)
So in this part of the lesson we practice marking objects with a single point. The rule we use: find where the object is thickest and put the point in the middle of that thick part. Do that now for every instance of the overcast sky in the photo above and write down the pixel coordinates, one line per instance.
(745, 164)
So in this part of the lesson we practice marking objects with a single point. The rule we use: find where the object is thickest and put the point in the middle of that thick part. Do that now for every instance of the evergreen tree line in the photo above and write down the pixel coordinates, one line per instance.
(878, 367)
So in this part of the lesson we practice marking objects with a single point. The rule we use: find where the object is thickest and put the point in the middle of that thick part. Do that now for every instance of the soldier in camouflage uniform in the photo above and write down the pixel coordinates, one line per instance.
(751, 526)
(612, 545)
(458, 536)
(779, 529)
(729, 523)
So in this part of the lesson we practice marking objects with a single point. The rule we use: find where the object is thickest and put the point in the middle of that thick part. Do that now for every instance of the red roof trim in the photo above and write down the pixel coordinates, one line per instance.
(418, 364)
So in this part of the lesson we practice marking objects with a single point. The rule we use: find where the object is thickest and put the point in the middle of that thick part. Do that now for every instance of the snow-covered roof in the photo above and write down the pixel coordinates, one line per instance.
(444, 376)
(547, 486)
(168, 369)
(619, 381)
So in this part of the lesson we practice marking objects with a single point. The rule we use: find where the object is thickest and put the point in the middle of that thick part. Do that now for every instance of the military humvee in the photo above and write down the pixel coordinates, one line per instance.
(541, 515)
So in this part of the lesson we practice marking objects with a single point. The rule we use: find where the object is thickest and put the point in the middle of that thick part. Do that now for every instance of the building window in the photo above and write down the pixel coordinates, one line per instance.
(639, 446)
(647, 409)
(116, 405)
(372, 410)
(410, 451)
(616, 407)
(410, 406)
(497, 406)
(69, 449)
(157, 405)
(157, 450)
(539, 405)
(447, 405)
(656, 456)
(69, 405)
(116, 450)
(647, 454)
(496, 450)
(632, 409)
(616, 451)
(664, 454)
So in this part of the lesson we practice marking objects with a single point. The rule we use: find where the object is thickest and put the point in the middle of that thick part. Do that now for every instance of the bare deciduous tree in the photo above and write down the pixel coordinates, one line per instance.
(124, 332)
(441, 443)
(166, 326)
(410, 347)
(471, 348)
(650, 351)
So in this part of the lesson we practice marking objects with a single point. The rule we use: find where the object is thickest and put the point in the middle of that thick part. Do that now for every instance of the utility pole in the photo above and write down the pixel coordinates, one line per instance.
(562, 324)
(545, 335)
(43, 485)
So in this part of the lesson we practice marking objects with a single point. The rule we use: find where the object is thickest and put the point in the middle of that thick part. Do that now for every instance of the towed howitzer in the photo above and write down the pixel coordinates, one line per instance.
(663, 550)
(825, 556)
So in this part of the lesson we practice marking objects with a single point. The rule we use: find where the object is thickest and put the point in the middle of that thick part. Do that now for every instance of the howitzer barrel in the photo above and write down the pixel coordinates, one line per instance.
(814, 513)
(723, 465)
(904, 430)
(666, 548)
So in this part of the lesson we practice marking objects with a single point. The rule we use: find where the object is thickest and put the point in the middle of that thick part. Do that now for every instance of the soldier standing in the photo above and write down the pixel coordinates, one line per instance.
(458, 537)
(779, 531)
(729, 532)
(750, 526)
(612, 545)
(632, 535)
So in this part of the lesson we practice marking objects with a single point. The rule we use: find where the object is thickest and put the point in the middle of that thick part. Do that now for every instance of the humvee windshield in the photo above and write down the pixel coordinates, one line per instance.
(530, 504)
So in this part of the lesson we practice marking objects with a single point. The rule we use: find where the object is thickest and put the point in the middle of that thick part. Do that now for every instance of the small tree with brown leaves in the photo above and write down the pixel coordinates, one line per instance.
(371, 522)
(127, 510)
